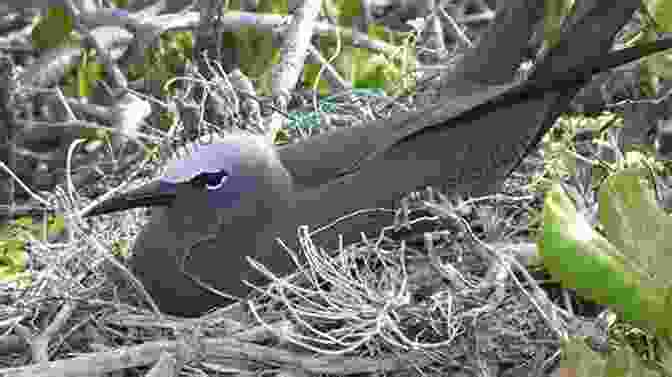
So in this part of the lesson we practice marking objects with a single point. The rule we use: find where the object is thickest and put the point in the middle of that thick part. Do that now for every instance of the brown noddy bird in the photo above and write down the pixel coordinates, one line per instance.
(232, 198)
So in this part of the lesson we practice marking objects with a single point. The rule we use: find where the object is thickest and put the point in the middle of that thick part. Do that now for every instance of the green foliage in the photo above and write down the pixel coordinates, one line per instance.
(166, 120)
(655, 67)
(580, 361)
(88, 73)
(120, 248)
(365, 69)
(373, 71)
(346, 10)
(310, 75)
(52, 30)
(389, 71)
(555, 12)
(80, 80)
(628, 270)
(625, 268)
(661, 11)
(165, 60)
(256, 49)
(634, 223)
(560, 156)
(589, 263)
(645, 345)
(584, 260)
(120, 3)
(13, 258)
(658, 66)
(386, 71)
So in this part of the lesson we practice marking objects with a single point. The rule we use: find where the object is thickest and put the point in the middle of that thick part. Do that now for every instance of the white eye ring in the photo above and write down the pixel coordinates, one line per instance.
(217, 186)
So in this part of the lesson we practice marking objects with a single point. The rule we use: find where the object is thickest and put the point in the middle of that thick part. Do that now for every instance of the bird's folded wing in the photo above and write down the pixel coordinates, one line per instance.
(317, 160)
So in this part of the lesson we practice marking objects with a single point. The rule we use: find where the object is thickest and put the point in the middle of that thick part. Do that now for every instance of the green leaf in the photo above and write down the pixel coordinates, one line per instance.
(88, 74)
(379, 70)
(347, 11)
(82, 81)
(184, 43)
(120, 248)
(164, 60)
(372, 71)
(623, 362)
(635, 223)
(554, 13)
(310, 72)
(257, 51)
(53, 30)
(13, 256)
(378, 31)
(56, 225)
(666, 356)
(13, 259)
(661, 10)
(120, 3)
(584, 260)
(657, 65)
(280, 137)
(579, 360)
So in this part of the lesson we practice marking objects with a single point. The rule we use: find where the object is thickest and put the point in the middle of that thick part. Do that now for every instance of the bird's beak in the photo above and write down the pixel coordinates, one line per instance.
(156, 193)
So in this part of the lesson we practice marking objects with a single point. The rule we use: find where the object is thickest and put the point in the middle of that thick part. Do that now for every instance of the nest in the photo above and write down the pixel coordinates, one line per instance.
(458, 298)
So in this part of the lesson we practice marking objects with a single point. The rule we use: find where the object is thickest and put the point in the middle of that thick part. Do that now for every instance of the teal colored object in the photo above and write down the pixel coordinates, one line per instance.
(311, 120)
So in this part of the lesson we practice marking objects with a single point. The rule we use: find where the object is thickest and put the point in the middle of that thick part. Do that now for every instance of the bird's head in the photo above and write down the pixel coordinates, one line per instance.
(225, 171)
(216, 204)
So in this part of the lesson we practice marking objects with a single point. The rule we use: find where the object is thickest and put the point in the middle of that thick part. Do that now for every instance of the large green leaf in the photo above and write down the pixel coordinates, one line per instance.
(635, 223)
(582, 259)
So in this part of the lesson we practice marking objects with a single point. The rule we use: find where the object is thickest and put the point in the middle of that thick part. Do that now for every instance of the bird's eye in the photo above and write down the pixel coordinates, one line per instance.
(210, 181)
